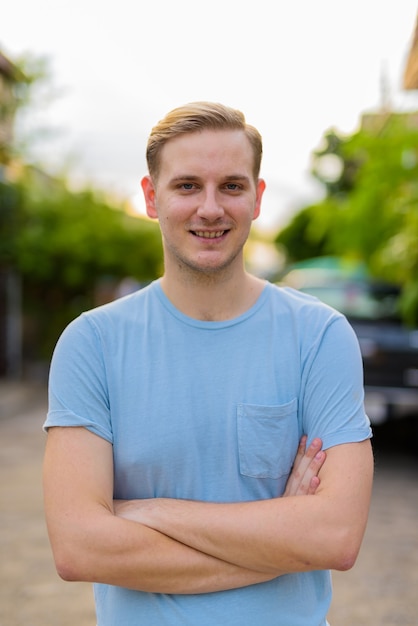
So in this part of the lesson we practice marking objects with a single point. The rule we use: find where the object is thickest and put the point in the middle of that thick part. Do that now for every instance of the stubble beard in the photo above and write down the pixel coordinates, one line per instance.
(192, 271)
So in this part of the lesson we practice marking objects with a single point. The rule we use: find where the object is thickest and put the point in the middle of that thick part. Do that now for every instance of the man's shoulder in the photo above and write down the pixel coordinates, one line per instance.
(132, 303)
(117, 316)
(296, 301)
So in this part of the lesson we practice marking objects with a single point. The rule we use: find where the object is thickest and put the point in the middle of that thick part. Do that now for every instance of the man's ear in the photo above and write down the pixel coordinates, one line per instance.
(149, 195)
(261, 185)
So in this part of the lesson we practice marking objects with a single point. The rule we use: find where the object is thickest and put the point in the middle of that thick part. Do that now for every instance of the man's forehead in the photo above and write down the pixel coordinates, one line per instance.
(212, 147)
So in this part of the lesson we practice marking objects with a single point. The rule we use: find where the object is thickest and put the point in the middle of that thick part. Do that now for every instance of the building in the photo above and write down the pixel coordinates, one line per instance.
(410, 78)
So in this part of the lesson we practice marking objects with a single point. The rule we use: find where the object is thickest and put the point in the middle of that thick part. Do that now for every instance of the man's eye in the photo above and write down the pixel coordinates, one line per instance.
(187, 186)
(232, 186)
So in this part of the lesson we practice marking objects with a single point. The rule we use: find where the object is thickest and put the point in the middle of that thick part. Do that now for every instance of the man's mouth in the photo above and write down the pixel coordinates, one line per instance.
(209, 234)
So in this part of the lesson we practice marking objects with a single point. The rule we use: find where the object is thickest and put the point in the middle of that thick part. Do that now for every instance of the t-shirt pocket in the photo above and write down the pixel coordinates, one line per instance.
(268, 438)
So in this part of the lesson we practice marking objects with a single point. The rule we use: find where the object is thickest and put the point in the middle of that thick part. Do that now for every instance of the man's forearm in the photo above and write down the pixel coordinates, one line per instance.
(281, 535)
(118, 552)
(90, 543)
(189, 522)
(242, 534)
(173, 566)
(262, 536)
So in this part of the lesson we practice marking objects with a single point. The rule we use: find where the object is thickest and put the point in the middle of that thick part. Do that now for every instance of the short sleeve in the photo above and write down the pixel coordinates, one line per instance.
(333, 391)
(77, 392)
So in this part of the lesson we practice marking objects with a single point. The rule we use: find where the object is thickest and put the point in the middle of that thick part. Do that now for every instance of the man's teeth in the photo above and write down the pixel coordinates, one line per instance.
(209, 235)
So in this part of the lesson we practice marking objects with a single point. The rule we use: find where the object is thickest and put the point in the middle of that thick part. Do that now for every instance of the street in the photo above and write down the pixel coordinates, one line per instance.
(381, 590)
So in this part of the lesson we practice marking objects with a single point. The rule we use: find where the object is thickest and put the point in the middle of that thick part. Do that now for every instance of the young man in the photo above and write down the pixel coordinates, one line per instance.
(176, 415)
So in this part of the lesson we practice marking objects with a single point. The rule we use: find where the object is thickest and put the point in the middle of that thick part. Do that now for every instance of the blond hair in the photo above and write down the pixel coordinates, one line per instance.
(195, 117)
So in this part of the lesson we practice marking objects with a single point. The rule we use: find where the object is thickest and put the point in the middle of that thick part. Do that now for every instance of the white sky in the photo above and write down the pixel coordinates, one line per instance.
(295, 68)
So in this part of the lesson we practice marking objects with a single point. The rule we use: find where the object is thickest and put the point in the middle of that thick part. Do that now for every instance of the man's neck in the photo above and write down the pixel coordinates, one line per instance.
(213, 298)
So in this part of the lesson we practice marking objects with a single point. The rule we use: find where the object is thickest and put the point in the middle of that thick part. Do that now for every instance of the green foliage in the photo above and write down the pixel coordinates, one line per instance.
(370, 211)
(74, 237)
(63, 244)
(305, 237)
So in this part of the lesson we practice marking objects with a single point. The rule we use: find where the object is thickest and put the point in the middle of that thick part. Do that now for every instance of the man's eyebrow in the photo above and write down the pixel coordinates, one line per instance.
(179, 179)
(190, 177)
(237, 178)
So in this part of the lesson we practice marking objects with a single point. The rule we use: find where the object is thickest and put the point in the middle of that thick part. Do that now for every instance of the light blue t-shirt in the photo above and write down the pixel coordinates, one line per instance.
(211, 411)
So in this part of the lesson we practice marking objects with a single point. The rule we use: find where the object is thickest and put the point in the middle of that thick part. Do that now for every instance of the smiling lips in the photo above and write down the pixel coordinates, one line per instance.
(207, 234)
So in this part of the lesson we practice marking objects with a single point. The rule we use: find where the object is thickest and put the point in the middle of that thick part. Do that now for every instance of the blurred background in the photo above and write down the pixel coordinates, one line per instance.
(334, 92)
(333, 88)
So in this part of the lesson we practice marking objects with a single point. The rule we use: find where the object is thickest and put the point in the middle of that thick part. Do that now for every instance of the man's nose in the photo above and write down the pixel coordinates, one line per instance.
(210, 207)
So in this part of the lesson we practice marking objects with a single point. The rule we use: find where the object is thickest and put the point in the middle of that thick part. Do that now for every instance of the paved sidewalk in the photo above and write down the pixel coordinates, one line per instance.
(17, 396)
(31, 593)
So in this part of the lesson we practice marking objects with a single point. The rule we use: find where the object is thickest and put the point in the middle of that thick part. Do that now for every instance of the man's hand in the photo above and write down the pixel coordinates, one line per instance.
(304, 480)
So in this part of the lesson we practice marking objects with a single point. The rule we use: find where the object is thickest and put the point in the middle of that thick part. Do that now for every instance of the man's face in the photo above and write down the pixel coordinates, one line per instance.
(205, 198)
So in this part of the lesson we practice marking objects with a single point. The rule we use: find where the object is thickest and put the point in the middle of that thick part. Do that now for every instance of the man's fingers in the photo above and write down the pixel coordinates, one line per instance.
(307, 458)
(303, 479)
(310, 480)
(301, 450)
(313, 485)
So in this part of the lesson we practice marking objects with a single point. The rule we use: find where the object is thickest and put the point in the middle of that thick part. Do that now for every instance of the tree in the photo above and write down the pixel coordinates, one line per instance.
(370, 210)
(64, 244)
(58, 244)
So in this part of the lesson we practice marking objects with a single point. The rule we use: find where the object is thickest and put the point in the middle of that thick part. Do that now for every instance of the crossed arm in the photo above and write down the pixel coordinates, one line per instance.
(178, 546)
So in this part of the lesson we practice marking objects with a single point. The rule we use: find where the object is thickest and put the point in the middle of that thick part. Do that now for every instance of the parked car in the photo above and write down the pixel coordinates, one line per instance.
(389, 349)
